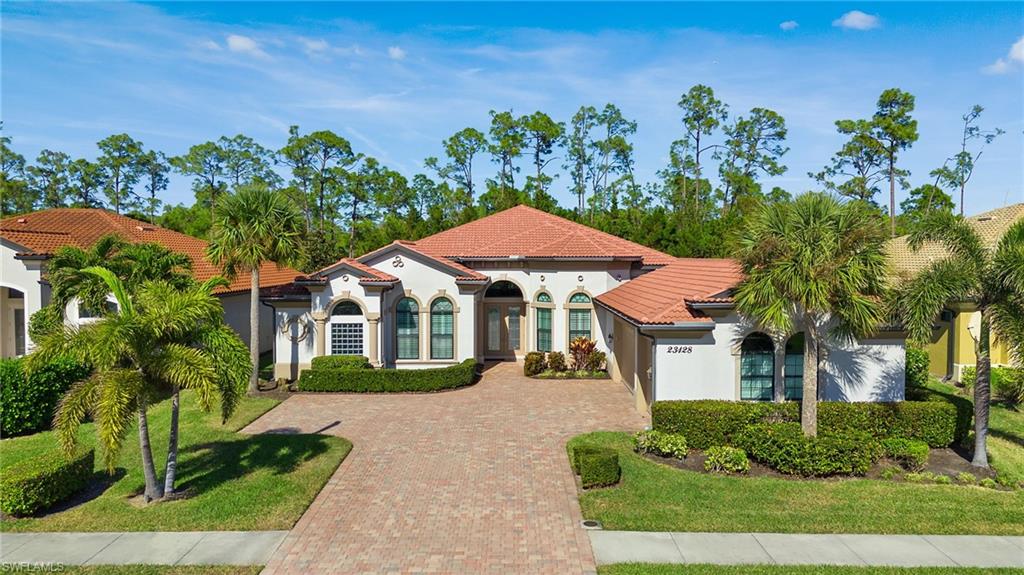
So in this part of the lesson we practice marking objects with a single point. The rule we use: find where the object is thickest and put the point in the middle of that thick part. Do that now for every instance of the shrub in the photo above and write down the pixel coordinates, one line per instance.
(1007, 383)
(933, 422)
(660, 443)
(599, 467)
(724, 459)
(709, 423)
(915, 477)
(966, 478)
(596, 361)
(576, 452)
(47, 320)
(910, 453)
(891, 471)
(783, 447)
(580, 349)
(341, 362)
(943, 479)
(556, 361)
(917, 367)
(988, 483)
(36, 484)
(27, 401)
(534, 363)
(388, 380)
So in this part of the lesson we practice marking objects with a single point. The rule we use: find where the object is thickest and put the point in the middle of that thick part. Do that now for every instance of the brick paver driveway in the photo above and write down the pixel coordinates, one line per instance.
(468, 481)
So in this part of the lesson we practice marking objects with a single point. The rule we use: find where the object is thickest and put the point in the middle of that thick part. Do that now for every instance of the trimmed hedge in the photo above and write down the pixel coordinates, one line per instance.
(388, 380)
(27, 402)
(708, 423)
(599, 467)
(660, 443)
(341, 362)
(783, 447)
(36, 484)
(723, 459)
(916, 369)
(911, 454)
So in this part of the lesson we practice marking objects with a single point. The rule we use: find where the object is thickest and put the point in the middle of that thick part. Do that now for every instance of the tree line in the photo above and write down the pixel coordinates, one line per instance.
(351, 202)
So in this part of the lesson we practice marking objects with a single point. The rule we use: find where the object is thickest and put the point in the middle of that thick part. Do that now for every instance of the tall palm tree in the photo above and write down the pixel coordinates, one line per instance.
(992, 277)
(253, 226)
(159, 337)
(816, 265)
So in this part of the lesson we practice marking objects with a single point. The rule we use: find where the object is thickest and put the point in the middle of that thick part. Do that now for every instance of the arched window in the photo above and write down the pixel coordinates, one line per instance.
(794, 367)
(408, 325)
(579, 317)
(346, 329)
(503, 288)
(442, 329)
(544, 323)
(757, 367)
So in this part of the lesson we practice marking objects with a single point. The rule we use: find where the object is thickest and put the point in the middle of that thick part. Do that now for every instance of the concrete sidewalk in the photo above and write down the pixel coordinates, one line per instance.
(800, 549)
(150, 548)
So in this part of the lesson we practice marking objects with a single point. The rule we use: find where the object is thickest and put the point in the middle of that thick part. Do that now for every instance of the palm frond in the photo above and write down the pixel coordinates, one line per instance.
(72, 410)
(953, 233)
(1007, 269)
(919, 301)
(1008, 326)
(117, 287)
(232, 364)
(187, 368)
(114, 408)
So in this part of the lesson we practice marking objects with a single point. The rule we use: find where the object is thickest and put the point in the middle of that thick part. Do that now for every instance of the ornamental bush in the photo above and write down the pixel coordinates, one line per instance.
(917, 367)
(556, 361)
(1007, 384)
(388, 380)
(596, 361)
(599, 467)
(911, 454)
(534, 363)
(783, 447)
(708, 423)
(660, 443)
(341, 362)
(580, 349)
(27, 401)
(723, 459)
(38, 483)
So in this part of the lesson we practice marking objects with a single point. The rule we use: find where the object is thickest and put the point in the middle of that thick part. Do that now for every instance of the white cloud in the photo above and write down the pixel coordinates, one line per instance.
(245, 45)
(209, 45)
(314, 45)
(1014, 59)
(789, 25)
(857, 20)
(396, 53)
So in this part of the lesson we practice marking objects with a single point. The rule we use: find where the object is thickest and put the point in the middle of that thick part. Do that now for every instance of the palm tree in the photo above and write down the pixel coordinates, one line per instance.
(159, 337)
(817, 265)
(254, 225)
(992, 277)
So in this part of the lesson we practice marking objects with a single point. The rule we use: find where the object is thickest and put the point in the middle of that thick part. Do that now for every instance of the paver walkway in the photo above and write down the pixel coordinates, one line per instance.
(468, 481)
(150, 548)
(800, 549)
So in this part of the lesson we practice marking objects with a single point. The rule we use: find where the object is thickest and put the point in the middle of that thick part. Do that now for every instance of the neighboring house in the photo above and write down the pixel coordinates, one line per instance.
(524, 280)
(29, 240)
(954, 336)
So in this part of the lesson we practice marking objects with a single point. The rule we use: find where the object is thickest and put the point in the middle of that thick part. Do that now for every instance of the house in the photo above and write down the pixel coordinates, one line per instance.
(954, 336)
(524, 280)
(28, 241)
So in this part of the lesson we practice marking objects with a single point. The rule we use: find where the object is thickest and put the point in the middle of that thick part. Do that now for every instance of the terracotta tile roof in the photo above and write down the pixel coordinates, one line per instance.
(42, 233)
(373, 275)
(531, 233)
(663, 297)
(990, 226)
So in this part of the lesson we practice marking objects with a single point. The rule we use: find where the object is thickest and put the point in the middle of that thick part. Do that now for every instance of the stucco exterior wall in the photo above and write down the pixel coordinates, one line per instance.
(236, 315)
(24, 276)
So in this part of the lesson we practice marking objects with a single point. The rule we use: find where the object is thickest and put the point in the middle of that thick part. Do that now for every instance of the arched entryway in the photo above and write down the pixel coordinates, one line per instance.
(504, 320)
(15, 323)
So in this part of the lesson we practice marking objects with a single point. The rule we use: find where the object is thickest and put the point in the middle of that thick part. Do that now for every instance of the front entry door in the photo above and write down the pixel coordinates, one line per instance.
(503, 328)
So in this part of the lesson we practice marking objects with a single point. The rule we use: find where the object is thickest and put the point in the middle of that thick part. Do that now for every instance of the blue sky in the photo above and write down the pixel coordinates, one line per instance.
(396, 79)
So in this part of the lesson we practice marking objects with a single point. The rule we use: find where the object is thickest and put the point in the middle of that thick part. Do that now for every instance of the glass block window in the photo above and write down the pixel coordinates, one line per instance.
(757, 367)
(442, 329)
(408, 322)
(579, 298)
(579, 323)
(794, 367)
(544, 297)
(543, 329)
(346, 339)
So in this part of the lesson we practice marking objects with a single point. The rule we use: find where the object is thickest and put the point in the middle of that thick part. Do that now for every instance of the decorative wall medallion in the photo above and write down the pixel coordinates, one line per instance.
(579, 277)
(541, 278)
(344, 277)
(397, 262)
(296, 328)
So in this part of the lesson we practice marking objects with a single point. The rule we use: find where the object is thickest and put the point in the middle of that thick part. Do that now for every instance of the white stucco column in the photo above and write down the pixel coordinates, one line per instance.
(320, 318)
(373, 320)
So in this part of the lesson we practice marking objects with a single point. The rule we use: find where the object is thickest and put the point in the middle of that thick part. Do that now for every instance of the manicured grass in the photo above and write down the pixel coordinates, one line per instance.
(147, 570)
(233, 481)
(656, 497)
(653, 569)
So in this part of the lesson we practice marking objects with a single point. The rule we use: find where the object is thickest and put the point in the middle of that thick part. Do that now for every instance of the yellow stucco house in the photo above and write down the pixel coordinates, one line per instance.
(952, 346)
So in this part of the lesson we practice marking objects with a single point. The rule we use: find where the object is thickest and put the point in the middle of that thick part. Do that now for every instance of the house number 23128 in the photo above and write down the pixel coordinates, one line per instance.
(680, 349)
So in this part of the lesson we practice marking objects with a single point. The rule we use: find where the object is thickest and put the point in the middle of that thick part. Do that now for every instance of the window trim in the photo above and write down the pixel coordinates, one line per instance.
(419, 327)
(761, 378)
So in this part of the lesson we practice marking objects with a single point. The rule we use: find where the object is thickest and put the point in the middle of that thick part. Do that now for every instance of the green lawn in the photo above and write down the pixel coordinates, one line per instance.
(652, 569)
(235, 481)
(146, 570)
(656, 497)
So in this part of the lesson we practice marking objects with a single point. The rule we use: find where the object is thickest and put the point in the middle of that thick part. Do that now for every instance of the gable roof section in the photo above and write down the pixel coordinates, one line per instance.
(365, 273)
(42, 233)
(989, 225)
(665, 296)
(461, 272)
(531, 233)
